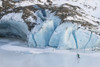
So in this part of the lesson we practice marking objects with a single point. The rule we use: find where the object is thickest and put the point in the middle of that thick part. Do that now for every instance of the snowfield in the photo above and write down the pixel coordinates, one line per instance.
(15, 56)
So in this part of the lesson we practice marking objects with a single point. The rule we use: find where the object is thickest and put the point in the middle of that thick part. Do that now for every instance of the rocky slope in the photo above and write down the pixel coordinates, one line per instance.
(75, 11)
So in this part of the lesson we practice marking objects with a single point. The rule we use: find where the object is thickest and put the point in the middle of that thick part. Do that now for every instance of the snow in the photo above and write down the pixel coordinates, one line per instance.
(30, 2)
(0, 3)
(88, 20)
(13, 16)
(31, 57)
(19, 49)
(91, 7)
(30, 19)
(50, 35)
(24, 3)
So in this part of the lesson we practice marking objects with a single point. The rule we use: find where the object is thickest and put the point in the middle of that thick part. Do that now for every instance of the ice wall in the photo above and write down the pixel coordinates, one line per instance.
(68, 36)
(49, 31)
(13, 28)
(43, 36)
(12, 25)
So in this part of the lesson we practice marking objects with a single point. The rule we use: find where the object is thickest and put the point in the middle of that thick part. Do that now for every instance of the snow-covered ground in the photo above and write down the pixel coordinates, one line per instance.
(14, 53)
(15, 56)
(0, 3)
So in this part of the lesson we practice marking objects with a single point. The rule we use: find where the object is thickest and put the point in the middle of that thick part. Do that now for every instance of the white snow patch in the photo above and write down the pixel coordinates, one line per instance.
(14, 16)
(30, 19)
(90, 6)
(0, 3)
(24, 3)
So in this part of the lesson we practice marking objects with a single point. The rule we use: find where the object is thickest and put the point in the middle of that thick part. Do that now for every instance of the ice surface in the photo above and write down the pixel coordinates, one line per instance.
(10, 27)
(59, 32)
(43, 36)
(67, 37)
(30, 57)
(47, 22)
(31, 40)
(13, 55)
(48, 31)
(13, 28)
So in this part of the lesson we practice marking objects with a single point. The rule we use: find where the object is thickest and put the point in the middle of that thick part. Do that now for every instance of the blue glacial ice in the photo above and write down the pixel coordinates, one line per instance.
(10, 27)
(59, 34)
(44, 29)
(13, 28)
(68, 36)
(43, 36)
(49, 31)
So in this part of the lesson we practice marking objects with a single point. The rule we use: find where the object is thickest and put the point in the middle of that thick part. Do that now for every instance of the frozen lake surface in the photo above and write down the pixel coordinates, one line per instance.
(13, 55)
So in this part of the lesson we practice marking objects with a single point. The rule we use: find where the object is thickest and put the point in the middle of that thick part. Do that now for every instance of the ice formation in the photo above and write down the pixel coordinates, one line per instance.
(49, 31)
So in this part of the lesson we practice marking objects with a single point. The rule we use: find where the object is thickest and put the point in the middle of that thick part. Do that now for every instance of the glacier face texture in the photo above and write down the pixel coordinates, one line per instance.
(66, 36)
(13, 28)
(43, 36)
(49, 31)
(12, 25)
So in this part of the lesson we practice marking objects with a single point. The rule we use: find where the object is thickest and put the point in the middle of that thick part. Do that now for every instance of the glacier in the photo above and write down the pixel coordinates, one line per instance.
(48, 32)
(53, 33)
(69, 36)
(43, 36)
(42, 32)
(13, 28)
(10, 27)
